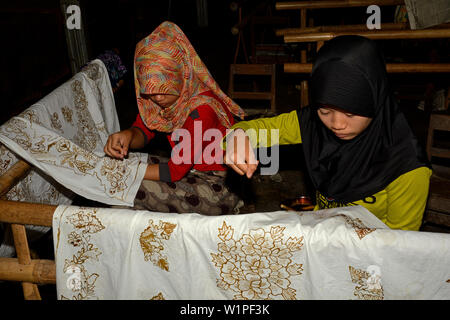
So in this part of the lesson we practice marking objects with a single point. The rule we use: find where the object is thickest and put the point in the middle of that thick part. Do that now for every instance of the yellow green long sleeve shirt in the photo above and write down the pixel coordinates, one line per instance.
(400, 205)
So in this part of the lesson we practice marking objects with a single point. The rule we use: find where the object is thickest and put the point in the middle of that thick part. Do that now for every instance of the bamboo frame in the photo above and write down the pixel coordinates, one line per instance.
(26, 213)
(390, 67)
(389, 26)
(38, 271)
(327, 4)
(338, 28)
(18, 214)
(10, 178)
(375, 35)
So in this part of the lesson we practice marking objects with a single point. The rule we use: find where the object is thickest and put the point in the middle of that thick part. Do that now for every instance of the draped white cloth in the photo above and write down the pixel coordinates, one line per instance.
(342, 253)
(63, 136)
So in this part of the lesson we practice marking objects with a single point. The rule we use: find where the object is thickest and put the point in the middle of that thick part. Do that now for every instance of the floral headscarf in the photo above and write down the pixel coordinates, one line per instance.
(167, 63)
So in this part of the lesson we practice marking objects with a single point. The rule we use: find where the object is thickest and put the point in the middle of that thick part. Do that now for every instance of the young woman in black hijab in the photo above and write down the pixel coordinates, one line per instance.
(358, 146)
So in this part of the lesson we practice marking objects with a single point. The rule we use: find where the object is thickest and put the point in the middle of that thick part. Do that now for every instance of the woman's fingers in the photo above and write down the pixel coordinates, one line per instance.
(113, 149)
(235, 168)
(117, 145)
(239, 154)
(250, 158)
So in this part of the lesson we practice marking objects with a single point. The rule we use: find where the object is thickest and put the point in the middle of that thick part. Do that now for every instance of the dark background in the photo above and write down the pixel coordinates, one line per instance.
(34, 59)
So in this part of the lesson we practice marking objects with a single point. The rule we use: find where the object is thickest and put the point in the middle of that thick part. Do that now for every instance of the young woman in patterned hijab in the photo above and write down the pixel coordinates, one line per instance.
(175, 90)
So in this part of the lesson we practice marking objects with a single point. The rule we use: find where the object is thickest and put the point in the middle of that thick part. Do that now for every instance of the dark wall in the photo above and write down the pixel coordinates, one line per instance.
(33, 55)
(34, 59)
(122, 24)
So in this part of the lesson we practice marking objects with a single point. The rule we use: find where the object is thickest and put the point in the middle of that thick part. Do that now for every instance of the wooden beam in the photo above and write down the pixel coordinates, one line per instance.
(352, 27)
(13, 175)
(38, 271)
(326, 4)
(26, 213)
(390, 67)
(375, 35)
(339, 28)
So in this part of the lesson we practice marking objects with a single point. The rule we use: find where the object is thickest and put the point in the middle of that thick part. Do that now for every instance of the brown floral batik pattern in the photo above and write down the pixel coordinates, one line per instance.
(80, 281)
(259, 264)
(364, 289)
(359, 227)
(152, 244)
(87, 135)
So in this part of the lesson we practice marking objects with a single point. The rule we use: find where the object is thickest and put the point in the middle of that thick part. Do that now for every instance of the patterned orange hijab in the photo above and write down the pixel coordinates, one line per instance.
(165, 62)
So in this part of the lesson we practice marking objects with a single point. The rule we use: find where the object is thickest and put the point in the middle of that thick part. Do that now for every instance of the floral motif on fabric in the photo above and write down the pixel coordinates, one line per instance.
(368, 286)
(80, 280)
(359, 227)
(75, 157)
(259, 264)
(6, 159)
(67, 114)
(92, 70)
(116, 172)
(56, 123)
(87, 135)
(152, 242)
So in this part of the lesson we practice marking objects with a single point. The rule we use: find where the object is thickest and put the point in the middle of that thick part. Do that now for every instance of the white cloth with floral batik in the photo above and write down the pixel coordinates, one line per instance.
(342, 253)
(63, 136)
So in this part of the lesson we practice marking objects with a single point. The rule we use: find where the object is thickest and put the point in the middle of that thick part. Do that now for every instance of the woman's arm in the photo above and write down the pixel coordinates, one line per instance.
(152, 172)
(286, 125)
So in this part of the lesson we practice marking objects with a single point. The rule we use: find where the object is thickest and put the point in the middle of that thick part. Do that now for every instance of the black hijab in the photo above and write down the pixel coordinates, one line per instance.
(350, 73)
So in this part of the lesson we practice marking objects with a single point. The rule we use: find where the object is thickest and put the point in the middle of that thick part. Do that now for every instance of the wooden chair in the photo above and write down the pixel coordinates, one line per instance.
(437, 211)
(256, 70)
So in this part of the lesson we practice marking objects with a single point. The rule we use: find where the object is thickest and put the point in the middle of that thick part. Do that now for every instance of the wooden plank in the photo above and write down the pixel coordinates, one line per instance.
(326, 4)
(339, 28)
(26, 213)
(30, 290)
(440, 153)
(390, 67)
(440, 122)
(437, 217)
(13, 175)
(374, 34)
(38, 271)
(352, 27)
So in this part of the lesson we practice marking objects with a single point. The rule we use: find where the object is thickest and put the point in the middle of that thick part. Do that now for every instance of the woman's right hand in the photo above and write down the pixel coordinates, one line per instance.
(239, 154)
(118, 144)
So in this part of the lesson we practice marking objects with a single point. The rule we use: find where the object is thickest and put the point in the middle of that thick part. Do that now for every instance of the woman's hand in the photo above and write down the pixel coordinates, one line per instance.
(239, 153)
(118, 143)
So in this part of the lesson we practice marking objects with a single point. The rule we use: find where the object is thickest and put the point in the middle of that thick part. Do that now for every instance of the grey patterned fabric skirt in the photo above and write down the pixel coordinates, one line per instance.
(201, 192)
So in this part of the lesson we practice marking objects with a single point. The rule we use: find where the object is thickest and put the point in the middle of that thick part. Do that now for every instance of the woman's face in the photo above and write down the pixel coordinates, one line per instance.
(343, 124)
(162, 100)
